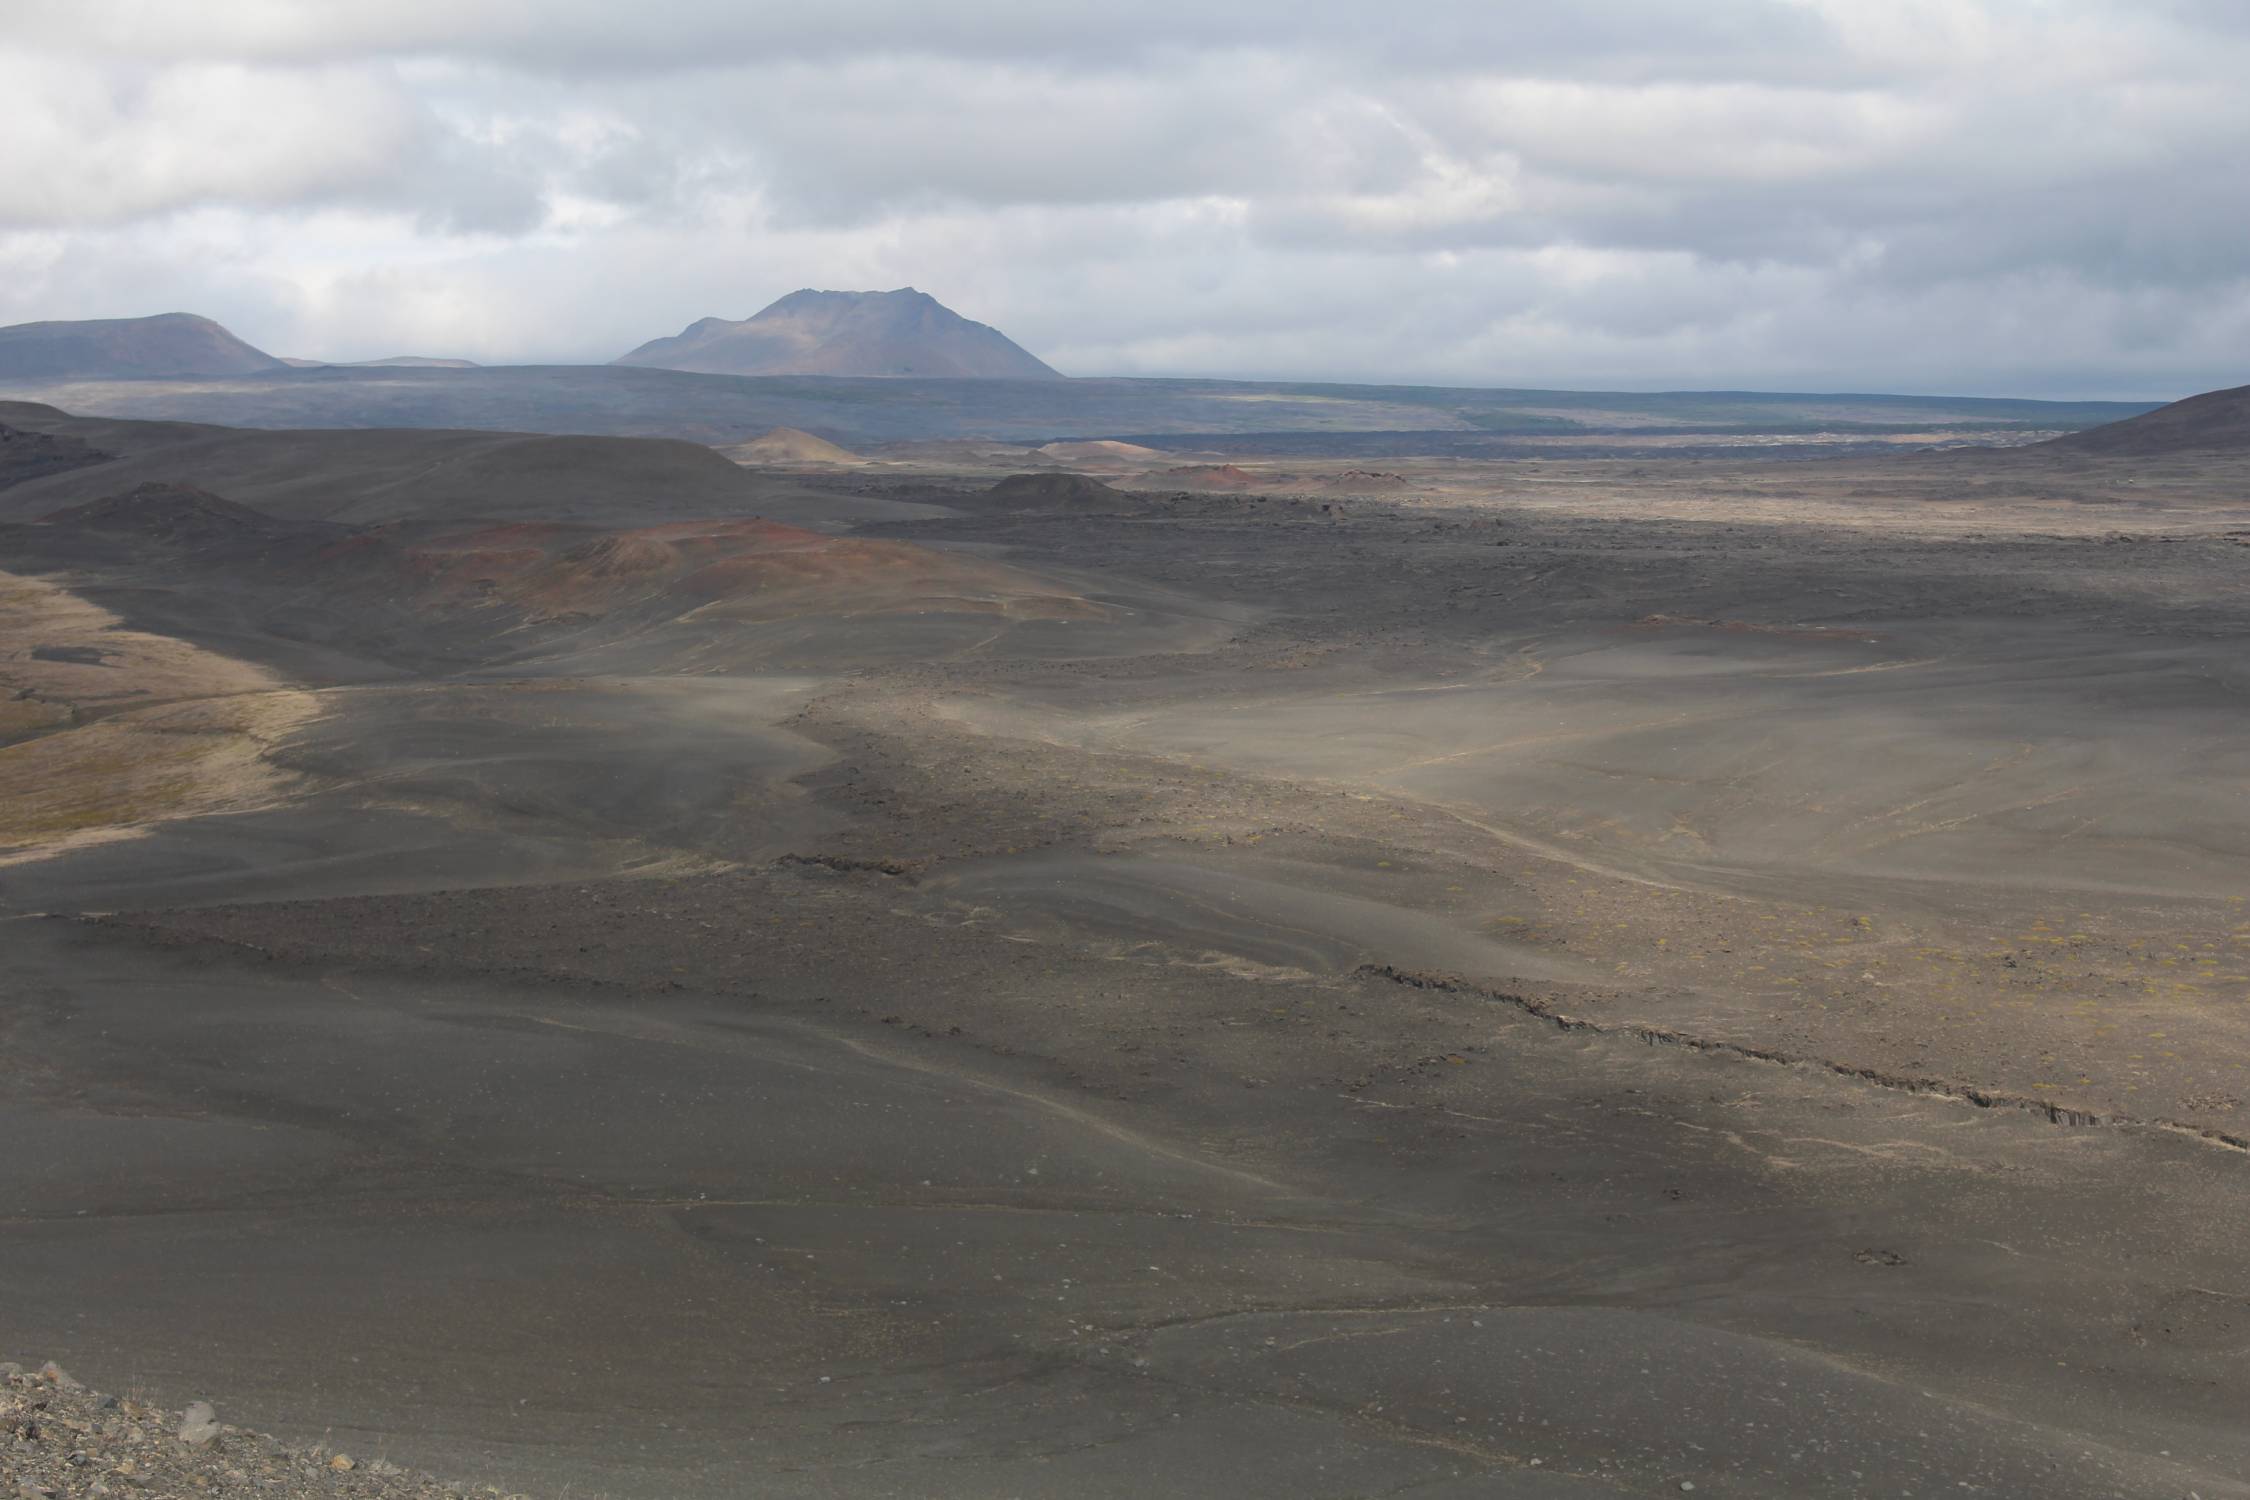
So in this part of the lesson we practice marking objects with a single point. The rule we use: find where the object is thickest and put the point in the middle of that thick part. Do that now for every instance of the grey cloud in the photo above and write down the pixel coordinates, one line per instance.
(1940, 192)
(596, 36)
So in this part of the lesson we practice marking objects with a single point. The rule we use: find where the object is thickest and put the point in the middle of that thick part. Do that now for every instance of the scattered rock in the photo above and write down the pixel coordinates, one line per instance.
(199, 1425)
(63, 1441)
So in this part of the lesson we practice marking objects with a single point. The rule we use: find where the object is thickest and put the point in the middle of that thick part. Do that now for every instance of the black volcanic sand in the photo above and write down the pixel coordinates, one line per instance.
(1478, 1001)
(668, 1241)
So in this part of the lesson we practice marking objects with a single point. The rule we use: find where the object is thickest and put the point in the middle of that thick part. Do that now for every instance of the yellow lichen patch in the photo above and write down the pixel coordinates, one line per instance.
(112, 778)
(58, 651)
(21, 718)
(105, 730)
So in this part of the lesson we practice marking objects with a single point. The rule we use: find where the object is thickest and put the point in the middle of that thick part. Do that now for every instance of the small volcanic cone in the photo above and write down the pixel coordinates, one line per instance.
(1102, 451)
(169, 513)
(1055, 489)
(788, 447)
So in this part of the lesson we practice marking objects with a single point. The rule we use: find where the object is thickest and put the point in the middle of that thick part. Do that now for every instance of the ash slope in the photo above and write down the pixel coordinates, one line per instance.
(1086, 1060)
(171, 652)
(903, 334)
(2214, 422)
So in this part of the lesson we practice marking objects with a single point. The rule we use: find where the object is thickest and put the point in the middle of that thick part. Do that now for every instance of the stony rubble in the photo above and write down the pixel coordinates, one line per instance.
(61, 1441)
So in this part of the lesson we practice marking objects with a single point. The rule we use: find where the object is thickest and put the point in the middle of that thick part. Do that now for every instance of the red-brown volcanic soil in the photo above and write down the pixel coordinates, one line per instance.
(753, 569)
(1216, 477)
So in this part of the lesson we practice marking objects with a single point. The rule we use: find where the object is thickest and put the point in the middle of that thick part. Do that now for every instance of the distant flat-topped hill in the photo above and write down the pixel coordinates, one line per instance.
(395, 362)
(165, 346)
(897, 335)
(2214, 422)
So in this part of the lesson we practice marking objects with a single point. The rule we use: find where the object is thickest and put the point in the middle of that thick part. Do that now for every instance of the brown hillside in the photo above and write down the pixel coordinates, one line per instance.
(2215, 422)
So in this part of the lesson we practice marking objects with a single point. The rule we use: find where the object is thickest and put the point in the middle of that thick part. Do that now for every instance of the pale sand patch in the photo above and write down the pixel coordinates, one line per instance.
(112, 663)
(99, 768)
(21, 718)
(112, 778)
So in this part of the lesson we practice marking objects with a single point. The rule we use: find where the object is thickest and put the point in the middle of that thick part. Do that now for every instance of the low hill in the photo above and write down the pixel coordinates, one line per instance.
(977, 453)
(1101, 450)
(898, 334)
(414, 362)
(788, 446)
(330, 597)
(166, 346)
(2214, 422)
(26, 455)
(394, 362)
(178, 513)
(115, 437)
(1044, 490)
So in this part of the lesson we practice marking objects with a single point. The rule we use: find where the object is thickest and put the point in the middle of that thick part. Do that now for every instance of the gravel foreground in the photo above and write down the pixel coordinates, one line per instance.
(60, 1441)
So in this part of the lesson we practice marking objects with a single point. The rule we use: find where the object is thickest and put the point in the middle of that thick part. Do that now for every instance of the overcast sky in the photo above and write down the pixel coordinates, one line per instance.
(2039, 197)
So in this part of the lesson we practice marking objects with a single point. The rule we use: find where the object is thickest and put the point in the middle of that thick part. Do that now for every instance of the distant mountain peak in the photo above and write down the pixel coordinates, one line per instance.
(899, 334)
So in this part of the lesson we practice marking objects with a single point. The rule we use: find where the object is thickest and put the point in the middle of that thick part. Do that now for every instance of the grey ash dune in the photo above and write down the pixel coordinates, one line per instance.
(168, 345)
(897, 334)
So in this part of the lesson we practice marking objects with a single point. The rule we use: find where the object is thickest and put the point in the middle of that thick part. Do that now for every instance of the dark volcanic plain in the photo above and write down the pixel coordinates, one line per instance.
(597, 969)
